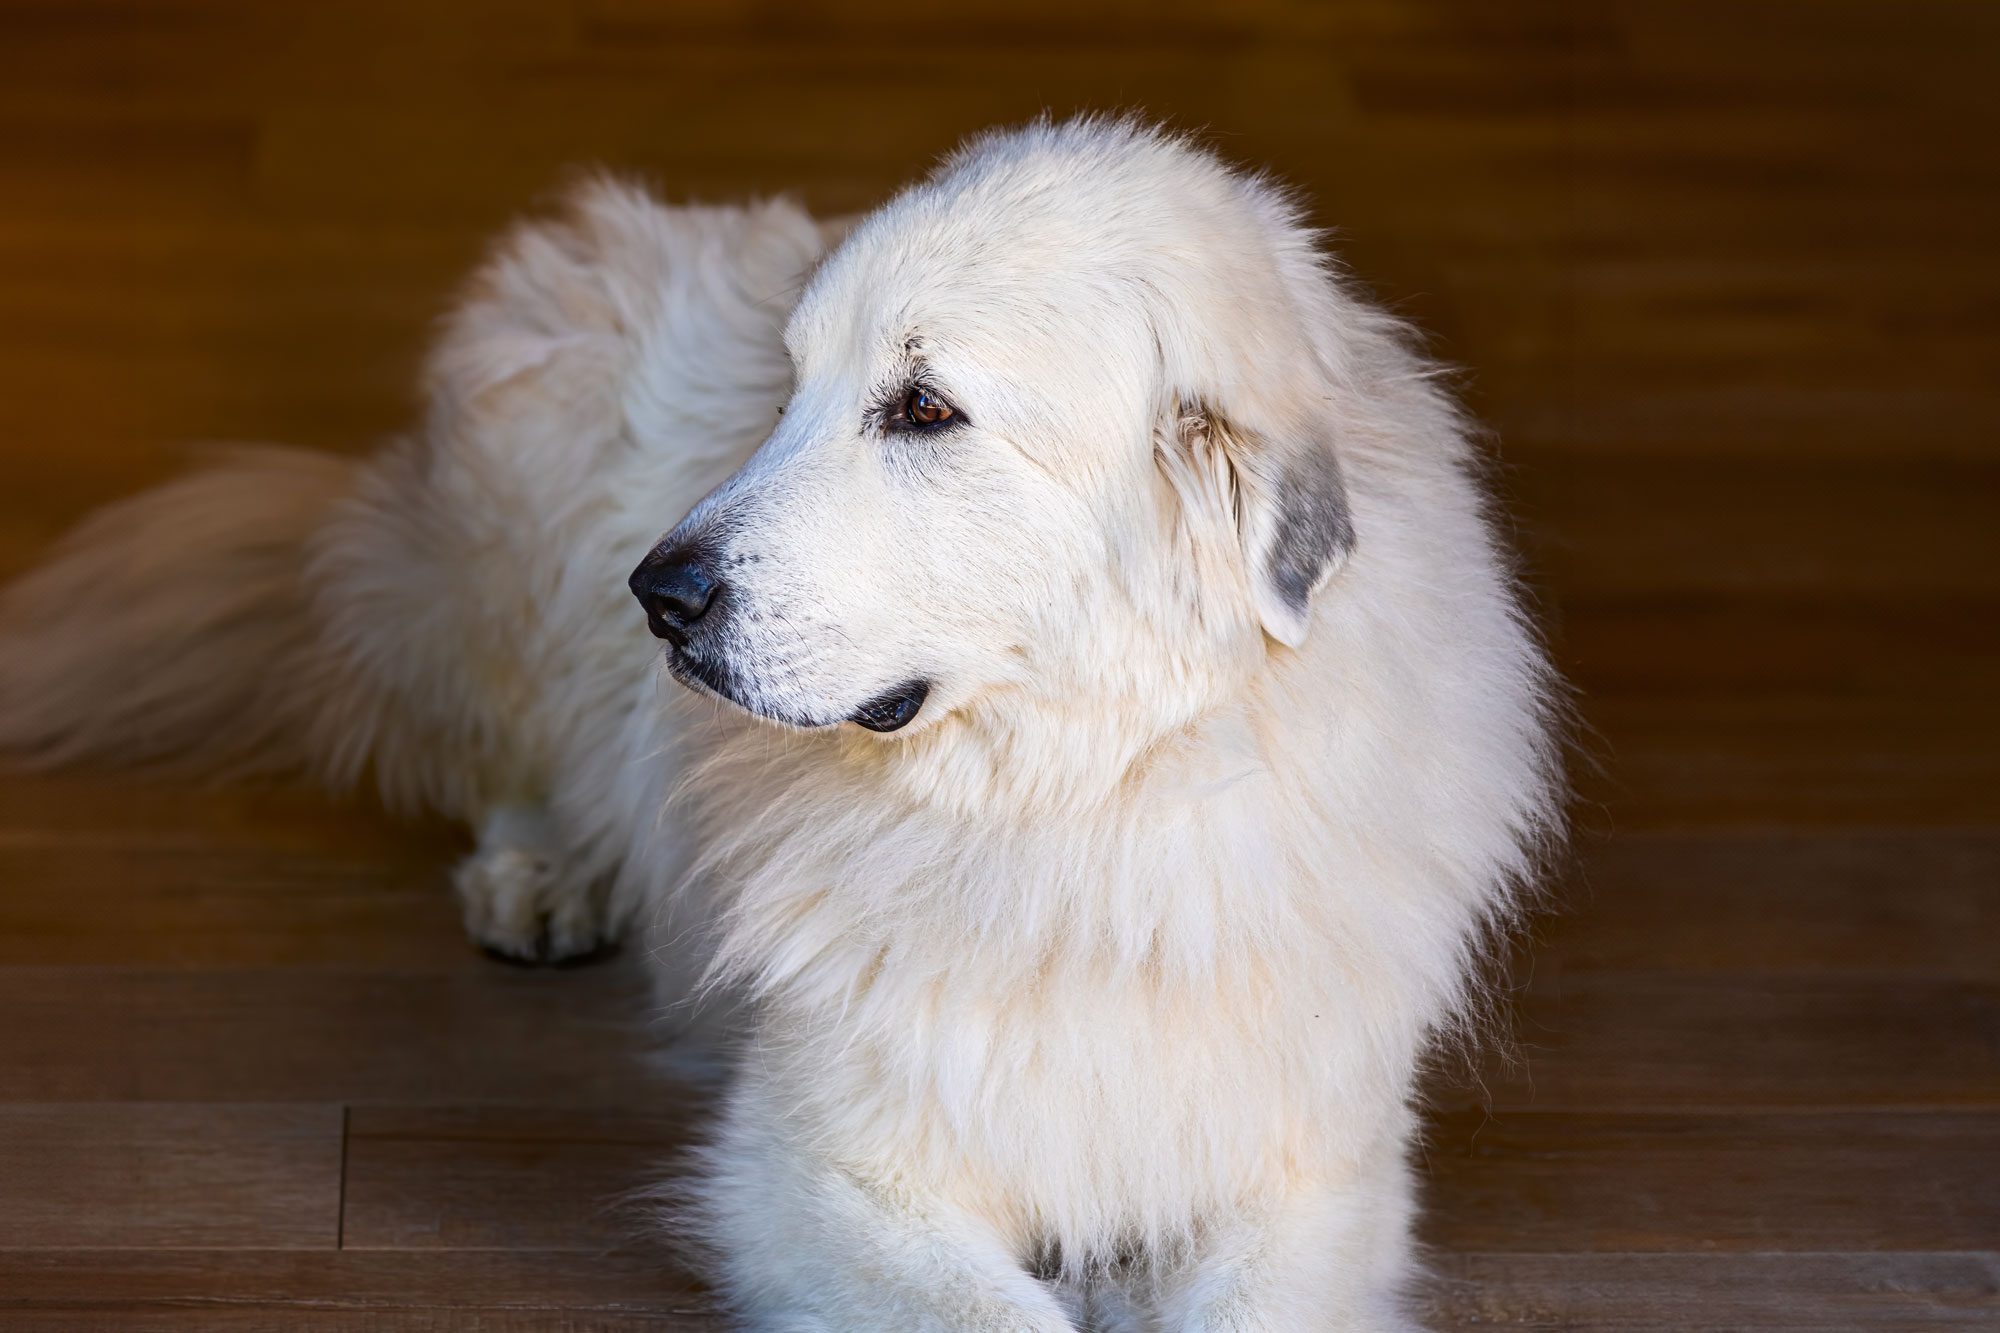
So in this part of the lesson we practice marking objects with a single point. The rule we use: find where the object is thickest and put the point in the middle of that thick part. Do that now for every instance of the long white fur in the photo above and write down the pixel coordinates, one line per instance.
(1119, 963)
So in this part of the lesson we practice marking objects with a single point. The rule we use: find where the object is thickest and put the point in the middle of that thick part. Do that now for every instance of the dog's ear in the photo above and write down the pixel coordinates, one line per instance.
(1263, 352)
(1289, 506)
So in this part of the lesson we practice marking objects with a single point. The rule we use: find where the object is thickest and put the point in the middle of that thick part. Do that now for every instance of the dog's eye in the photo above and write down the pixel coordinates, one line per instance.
(924, 409)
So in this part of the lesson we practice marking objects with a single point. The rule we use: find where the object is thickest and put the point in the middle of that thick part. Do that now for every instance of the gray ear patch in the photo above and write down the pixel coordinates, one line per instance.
(1314, 529)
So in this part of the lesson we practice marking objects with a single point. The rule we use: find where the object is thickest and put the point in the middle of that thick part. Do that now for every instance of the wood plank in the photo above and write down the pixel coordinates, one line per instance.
(99, 809)
(170, 1176)
(1828, 904)
(1661, 525)
(1918, 760)
(192, 1291)
(1755, 644)
(1660, 1041)
(1548, 1182)
(197, 1290)
(513, 1178)
(125, 904)
(1629, 1042)
(424, 1316)
(560, 1037)
(1911, 1293)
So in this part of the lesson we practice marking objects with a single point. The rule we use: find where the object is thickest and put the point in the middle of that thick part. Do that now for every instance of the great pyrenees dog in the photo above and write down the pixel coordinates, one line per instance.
(1111, 732)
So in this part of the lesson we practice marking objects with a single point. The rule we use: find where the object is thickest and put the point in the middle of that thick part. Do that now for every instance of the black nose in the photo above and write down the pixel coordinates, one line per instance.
(676, 589)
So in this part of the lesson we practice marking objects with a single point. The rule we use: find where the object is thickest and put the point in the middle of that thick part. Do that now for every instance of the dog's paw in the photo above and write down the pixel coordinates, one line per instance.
(520, 906)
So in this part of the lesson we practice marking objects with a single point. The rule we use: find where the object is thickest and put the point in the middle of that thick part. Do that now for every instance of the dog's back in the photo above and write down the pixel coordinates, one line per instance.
(445, 619)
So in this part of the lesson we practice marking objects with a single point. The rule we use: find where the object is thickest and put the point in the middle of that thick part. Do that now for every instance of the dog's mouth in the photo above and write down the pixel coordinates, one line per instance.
(892, 710)
(719, 682)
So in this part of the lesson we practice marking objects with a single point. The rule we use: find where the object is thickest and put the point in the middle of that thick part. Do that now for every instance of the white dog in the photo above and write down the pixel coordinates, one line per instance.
(1131, 731)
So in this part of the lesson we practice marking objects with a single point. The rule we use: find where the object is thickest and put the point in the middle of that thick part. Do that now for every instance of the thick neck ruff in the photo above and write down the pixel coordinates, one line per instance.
(1269, 830)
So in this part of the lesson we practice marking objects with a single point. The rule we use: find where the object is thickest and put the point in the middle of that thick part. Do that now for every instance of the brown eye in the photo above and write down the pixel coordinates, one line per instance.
(924, 408)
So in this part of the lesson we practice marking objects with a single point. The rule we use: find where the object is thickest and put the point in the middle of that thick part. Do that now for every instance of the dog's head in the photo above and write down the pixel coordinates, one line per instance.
(1064, 437)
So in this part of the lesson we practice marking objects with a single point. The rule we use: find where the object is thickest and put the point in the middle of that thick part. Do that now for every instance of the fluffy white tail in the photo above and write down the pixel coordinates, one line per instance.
(178, 627)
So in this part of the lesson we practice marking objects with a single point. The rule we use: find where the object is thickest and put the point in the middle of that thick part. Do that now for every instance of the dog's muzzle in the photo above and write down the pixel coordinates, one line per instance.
(681, 593)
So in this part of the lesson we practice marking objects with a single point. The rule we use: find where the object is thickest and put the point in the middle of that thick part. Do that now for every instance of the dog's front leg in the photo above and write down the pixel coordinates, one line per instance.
(808, 1246)
(521, 894)
(1322, 1257)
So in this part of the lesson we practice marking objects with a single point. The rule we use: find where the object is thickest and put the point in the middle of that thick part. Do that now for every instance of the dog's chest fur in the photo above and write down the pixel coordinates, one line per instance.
(1085, 1110)
(1107, 1037)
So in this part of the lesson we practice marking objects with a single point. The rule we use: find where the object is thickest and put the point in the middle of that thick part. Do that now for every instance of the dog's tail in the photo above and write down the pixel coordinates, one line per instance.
(178, 628)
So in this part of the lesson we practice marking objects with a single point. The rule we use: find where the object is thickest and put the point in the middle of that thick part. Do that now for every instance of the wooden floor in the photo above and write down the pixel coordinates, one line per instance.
(1725, 279)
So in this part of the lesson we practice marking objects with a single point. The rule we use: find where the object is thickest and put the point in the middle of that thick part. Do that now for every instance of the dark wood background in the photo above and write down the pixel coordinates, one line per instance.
(1724, 280)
